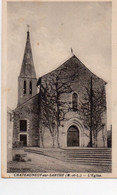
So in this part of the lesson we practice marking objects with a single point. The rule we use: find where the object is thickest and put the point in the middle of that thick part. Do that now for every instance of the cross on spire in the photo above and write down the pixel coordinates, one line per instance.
(28, 26)
(72, 51)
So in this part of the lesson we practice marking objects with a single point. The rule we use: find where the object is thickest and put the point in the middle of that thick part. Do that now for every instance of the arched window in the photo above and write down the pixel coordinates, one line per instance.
(30, 87)
(75, 101)
(24, 90)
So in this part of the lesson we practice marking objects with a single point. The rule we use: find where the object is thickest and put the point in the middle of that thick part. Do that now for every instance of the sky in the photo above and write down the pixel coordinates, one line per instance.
(55, 28)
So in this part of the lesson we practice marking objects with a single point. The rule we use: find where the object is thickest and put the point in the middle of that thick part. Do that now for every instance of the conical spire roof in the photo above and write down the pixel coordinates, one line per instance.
(27, 69)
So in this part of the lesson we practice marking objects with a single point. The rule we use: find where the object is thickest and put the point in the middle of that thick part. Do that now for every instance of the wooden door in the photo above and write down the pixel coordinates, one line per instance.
(73, 136)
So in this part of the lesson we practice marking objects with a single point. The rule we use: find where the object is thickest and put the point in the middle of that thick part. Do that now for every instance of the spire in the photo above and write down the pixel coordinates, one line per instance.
(27, 69)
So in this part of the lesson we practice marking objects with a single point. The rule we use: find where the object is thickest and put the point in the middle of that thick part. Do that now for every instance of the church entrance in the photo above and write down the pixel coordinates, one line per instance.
(73, 136)
(23, 138)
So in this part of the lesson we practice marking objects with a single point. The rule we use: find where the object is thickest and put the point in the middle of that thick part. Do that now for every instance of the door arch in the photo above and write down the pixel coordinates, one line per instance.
(73, 136)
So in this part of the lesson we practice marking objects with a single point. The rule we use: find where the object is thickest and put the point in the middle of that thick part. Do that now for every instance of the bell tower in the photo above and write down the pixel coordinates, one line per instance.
(27, 79)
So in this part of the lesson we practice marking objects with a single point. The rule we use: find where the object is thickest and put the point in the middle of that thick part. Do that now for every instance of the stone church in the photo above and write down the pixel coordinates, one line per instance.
(69, 109)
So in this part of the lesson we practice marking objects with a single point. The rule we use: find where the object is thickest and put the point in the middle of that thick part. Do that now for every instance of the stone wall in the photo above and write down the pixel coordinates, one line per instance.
(78, 77)
(24, 97)
(28, 111)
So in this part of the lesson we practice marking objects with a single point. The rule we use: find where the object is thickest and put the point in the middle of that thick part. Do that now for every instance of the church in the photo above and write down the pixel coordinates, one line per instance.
(64, 108)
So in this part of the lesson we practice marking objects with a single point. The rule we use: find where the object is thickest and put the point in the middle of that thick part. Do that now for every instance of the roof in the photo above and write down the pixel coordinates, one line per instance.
(26, 101)
(27, 69)
(71, 63)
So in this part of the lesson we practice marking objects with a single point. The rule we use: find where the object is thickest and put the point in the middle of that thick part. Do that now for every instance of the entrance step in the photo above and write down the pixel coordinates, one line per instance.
(79, 156)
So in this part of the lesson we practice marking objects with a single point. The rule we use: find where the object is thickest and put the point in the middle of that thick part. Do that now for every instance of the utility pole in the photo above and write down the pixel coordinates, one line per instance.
(91, 114)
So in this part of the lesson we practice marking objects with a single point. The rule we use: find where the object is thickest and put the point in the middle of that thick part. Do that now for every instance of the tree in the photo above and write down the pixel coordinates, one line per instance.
(47, 112)
(53, 109)
(93, 108)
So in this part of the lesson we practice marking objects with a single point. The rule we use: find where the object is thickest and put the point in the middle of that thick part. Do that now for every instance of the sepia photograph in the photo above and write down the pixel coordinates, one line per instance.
(59, 88)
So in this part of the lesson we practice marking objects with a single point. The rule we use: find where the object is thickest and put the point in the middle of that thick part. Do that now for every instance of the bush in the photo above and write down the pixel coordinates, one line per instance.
(18, 144)
(21, 158)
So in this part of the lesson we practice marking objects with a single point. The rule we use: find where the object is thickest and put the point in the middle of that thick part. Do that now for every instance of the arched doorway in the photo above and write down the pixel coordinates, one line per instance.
(73, 136)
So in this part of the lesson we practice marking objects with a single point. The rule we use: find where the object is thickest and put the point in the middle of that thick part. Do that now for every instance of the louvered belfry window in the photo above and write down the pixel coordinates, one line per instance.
(24, 87)
(75, 101)
(30, 87)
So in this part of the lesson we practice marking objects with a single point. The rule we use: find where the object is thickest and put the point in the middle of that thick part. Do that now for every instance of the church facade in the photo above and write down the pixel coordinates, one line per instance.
(69, 109)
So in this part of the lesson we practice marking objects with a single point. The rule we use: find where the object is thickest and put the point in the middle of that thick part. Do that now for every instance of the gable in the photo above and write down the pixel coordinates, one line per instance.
(73, 67)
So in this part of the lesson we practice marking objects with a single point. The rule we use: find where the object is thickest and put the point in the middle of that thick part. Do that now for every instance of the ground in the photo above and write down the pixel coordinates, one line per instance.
(46, 164)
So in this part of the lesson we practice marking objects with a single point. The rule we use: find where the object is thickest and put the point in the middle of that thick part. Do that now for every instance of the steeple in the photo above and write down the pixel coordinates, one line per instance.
(28, 69)
(27, 79)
